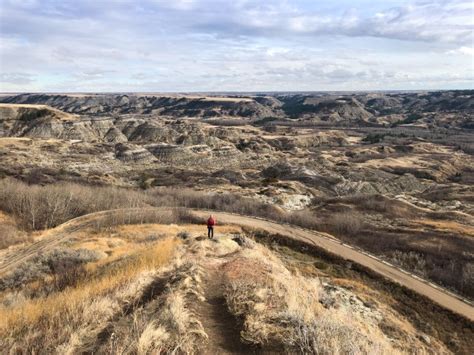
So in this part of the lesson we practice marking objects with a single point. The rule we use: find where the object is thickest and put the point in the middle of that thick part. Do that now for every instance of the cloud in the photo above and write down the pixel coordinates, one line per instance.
(16, 78)
(436, 21)
(198, 45)
(464, 50)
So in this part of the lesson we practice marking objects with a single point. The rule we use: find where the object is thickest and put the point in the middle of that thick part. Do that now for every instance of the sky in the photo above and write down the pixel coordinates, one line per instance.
(235, 45)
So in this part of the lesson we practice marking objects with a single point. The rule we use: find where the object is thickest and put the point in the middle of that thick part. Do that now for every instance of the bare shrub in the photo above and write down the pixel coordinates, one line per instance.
(410, 261)
(62, 264)
(135, 216)
(304, 218)
(467, 148)
(348, 223)
(42, 207)
(468, 276)
(377, 203)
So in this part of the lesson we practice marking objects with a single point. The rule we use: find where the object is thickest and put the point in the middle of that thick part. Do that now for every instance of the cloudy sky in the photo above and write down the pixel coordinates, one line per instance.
(235, 45)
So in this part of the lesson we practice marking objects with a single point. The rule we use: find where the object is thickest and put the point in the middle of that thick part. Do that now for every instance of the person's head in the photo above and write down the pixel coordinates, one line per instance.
(211, 216)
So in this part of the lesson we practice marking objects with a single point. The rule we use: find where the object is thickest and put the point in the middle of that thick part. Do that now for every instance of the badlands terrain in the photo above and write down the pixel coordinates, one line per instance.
(389, 174)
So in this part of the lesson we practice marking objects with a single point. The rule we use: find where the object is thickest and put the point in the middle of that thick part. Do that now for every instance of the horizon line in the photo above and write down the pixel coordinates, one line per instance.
(227, 92)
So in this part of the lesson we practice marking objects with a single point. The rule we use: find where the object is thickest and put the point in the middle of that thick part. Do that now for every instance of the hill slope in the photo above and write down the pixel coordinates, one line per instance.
(139, 289)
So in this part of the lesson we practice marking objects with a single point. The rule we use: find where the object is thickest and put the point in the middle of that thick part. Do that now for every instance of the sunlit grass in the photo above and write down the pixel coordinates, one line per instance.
(58, 307)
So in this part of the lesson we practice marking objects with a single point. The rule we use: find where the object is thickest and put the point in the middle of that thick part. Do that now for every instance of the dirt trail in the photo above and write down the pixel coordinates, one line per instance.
(321, 240)
(218, 323)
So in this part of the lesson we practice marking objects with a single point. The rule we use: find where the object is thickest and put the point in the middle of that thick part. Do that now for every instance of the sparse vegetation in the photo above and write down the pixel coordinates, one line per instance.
(283, 310)
(11, 235)
(348, 224)
(373, 138)
(67, 317)
(411, 118)
(62, 264)
(410, 261)
(352, 165)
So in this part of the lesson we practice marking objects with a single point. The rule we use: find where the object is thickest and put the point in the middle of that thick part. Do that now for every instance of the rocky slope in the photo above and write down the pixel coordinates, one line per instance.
(324, 108)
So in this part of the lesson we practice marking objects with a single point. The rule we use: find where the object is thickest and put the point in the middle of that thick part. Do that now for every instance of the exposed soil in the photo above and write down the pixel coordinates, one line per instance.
(221, 326)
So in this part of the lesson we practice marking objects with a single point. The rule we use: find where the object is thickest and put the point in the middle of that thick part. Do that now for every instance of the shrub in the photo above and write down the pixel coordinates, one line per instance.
(63, 264)
(348, 223)
(373, 138)
(42, 207)
(184, 235)
(410, 261)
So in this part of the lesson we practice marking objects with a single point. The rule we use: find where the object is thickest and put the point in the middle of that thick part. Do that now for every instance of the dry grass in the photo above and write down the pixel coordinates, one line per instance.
(45, 316)
(104, 311)
(10, 234)
(283, 310)
(144, 297)
(449, 226)
(178, 330)
(14, 141)
(167, 325)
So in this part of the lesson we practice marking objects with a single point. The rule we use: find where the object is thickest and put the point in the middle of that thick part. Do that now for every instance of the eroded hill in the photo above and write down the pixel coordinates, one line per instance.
(369, 109)
(390, 173)
(167, 288)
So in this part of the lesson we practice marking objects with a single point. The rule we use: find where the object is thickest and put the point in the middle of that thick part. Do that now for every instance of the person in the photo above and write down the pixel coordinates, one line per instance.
(210, 226)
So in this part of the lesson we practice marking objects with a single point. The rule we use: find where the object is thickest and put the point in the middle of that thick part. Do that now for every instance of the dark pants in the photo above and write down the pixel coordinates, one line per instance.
(210, 232)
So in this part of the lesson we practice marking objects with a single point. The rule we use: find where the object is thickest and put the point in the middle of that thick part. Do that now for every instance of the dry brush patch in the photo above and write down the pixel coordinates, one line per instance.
(61, 263)
(174, 328)
(10, 234)
(46, 322)
(41, 207)
(347, 223)
(283, 310)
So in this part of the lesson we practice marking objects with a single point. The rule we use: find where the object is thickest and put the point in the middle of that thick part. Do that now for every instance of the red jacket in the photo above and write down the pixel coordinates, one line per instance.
(210, 222)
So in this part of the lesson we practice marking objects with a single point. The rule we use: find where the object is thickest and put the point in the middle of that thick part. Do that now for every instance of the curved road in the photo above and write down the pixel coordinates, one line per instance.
(443, 297)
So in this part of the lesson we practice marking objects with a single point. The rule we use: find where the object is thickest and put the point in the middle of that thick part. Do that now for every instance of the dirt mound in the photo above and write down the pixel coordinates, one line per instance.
(133, 153)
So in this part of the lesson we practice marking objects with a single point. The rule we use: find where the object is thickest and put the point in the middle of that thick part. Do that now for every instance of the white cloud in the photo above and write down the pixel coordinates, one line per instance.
(16, 78)
(464, 50)
(158, 45)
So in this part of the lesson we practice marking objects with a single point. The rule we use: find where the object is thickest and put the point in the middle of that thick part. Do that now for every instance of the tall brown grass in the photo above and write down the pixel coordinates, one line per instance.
(52, 311)
(282, 310)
